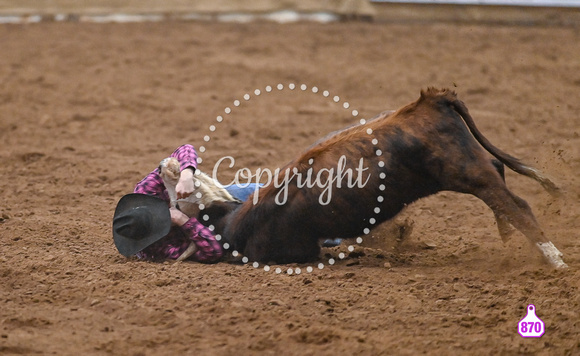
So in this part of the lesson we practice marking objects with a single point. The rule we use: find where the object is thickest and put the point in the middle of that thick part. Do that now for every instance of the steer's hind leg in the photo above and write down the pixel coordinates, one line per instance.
(517, 212)
(503, 225)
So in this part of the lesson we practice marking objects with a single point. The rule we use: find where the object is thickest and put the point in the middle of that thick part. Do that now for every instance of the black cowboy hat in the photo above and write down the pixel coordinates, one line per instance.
(139, 221)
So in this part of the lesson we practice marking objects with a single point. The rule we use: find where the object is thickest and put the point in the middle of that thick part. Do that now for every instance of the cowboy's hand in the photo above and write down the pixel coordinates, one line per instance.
(178, 217)
(185, 186)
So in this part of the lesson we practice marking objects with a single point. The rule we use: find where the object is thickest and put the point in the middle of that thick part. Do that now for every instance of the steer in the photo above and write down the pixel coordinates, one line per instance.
(356, 178)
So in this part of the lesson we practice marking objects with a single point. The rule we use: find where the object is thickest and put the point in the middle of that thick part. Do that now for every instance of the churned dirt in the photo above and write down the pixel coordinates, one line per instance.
(86, 110)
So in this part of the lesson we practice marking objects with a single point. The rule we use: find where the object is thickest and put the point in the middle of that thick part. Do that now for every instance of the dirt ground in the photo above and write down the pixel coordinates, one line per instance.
(86, 110)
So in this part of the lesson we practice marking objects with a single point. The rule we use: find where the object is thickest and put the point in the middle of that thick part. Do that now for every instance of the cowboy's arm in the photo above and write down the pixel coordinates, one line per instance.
(200, 244)
(187, 157)
(152, 184)
(208, 248)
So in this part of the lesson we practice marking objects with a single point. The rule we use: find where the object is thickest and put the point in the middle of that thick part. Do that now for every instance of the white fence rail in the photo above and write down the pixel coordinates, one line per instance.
(544, 3)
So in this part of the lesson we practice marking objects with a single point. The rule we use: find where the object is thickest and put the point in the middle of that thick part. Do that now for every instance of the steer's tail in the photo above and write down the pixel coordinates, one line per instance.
(513, 163)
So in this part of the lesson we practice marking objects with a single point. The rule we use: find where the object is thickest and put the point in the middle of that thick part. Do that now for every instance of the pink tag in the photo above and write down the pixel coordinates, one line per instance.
(531, 325)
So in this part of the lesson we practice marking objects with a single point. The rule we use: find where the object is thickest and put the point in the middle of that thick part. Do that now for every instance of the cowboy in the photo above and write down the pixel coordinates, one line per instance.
(144, 225)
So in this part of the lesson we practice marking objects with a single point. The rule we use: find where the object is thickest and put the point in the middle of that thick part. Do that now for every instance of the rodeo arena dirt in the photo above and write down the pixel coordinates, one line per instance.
(91, 105)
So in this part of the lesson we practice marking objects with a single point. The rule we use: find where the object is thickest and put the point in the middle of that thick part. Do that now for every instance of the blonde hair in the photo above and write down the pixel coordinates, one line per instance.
(207, 189)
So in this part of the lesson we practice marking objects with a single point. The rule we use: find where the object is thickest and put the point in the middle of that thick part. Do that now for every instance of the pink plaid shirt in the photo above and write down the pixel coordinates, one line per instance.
(177, 241)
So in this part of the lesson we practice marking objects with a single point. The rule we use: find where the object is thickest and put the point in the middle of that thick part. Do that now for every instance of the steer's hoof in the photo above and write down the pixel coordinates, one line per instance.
(552, 254)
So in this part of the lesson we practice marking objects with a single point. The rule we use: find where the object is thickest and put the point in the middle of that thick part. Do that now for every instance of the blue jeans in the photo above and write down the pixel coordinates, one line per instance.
(241, 192)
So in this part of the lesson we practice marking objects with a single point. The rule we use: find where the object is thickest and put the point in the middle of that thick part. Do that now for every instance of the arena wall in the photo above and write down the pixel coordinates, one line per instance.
(537, 12)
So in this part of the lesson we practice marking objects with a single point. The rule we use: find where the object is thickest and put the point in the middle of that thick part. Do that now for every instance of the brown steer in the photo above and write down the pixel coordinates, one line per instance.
(361, 176)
